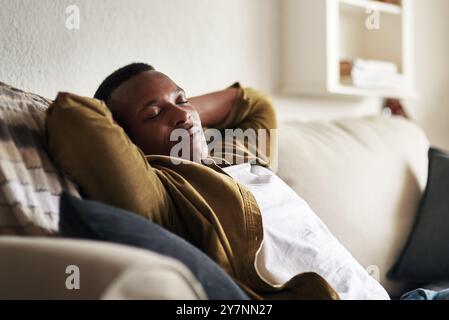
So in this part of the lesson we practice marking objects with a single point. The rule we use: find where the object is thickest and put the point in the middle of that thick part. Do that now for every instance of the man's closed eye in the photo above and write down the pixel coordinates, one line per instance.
(151, 112)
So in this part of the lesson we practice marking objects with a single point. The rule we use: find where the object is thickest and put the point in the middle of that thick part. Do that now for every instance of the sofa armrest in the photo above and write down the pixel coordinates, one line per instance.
(39, 268)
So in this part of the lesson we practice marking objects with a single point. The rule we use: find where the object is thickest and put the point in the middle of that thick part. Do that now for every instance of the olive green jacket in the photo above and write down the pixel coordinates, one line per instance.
(199, 202)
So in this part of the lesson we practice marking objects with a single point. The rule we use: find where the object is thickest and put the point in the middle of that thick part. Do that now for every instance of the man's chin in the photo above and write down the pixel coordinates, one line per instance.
(192, 148)
(191, 153)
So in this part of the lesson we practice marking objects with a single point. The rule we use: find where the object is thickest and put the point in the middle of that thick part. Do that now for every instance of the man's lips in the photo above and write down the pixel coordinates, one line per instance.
(190, 130)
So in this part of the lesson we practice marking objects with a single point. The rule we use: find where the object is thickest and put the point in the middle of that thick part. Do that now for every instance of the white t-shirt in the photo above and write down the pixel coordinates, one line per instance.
(297, 241)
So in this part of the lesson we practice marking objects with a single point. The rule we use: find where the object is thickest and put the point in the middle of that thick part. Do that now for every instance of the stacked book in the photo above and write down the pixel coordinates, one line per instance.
(371, 74)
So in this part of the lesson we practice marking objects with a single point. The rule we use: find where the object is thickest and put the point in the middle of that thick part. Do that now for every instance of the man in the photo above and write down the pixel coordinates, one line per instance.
(215, 200)
(150, 106)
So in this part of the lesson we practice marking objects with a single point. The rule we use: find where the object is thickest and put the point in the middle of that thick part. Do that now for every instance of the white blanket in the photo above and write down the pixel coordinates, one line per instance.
(297, 241)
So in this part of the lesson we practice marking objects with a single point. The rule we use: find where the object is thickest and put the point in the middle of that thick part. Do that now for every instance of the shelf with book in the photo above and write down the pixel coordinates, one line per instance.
(320, 34)
(363, 5)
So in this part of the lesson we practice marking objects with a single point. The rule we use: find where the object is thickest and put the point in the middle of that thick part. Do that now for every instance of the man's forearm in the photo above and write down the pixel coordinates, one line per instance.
(214, 107)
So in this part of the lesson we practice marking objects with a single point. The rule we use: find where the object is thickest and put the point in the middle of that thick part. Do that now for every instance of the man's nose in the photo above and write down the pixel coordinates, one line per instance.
(179, 117)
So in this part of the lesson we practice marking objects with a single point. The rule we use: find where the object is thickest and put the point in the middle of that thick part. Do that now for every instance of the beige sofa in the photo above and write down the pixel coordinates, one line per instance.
(40, 268)
(363, 177)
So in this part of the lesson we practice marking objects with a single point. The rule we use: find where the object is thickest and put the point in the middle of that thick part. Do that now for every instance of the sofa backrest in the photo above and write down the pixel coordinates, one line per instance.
(363, 177)
(30, 185)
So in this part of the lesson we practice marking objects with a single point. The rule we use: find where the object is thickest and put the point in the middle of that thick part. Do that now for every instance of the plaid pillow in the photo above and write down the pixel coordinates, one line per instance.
(30, 184)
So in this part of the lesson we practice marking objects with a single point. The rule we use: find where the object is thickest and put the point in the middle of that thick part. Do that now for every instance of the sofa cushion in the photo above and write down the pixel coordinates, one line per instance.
(30, 184)
(97, 221)
(364, 179)
(425, 257)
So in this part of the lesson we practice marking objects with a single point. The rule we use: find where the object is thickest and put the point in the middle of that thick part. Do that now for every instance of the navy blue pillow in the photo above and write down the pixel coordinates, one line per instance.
(425, 257)
(84, 219)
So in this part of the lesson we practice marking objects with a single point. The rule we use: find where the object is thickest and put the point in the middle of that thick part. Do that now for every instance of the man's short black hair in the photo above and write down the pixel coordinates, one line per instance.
(119, 76)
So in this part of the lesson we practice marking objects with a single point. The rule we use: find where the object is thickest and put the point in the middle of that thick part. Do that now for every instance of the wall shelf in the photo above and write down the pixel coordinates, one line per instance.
(373, 5)
(318, 34)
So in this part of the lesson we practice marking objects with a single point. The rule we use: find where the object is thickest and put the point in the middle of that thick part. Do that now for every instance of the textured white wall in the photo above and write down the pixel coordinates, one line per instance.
(431, 109)
(202, 44)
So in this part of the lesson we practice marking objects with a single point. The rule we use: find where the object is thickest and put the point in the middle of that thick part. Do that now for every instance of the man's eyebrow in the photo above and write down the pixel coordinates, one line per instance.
(147, 104)
(180, 90)
(177, 91)
(152, 102)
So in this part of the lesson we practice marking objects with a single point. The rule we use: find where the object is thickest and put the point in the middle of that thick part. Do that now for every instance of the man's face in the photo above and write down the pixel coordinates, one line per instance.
(149, 106)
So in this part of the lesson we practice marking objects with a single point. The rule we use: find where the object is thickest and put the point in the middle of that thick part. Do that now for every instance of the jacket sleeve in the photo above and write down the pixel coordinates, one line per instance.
(252, 109)
(255, 110)
(94, 151)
